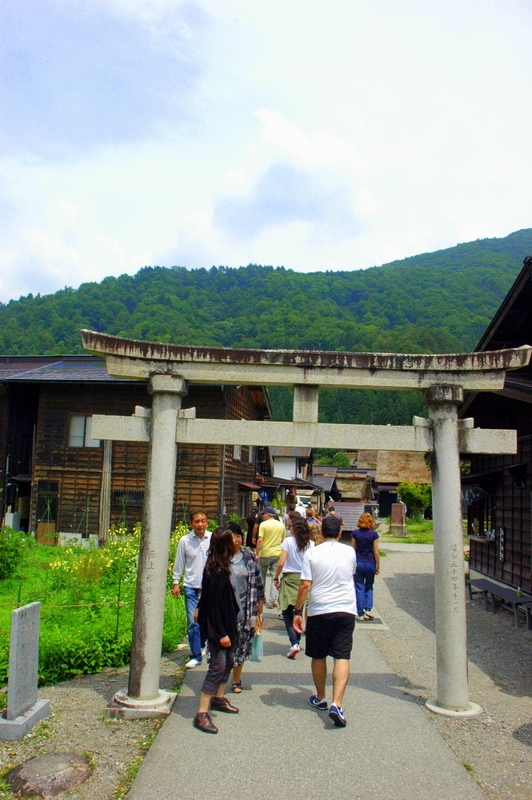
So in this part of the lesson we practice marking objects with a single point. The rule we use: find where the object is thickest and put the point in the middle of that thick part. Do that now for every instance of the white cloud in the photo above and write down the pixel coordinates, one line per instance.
(315, 148)
(315, 136)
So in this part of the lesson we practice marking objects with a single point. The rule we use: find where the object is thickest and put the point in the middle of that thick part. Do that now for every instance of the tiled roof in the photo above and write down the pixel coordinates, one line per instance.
(290, 452)
(51, 369)
(271, 482)
(325, 481)
(320, 469)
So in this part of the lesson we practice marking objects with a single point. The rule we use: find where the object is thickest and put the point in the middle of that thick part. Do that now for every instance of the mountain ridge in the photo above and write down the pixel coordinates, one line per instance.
(429, 303)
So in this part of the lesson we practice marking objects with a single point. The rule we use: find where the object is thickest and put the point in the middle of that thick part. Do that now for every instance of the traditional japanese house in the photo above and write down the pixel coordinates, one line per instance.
(497, 490)
(291, 462)
(394, 467)
(324, 476)
(57, 478)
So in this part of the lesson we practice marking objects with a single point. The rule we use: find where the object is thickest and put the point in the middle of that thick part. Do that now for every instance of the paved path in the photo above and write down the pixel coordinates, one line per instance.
(399, 547)
(279, 748)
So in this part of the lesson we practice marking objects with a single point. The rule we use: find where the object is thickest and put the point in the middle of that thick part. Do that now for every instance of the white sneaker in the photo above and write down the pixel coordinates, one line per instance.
(192, 663)
(294, 650)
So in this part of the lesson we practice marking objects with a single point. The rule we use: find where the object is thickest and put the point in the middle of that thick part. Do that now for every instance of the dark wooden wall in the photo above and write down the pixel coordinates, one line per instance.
(201, 479)
(76, 471)
(239, 407)
(508, 482)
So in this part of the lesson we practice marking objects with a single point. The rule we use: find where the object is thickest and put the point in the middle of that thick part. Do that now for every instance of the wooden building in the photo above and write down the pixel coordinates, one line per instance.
(497, 491)
(56, 478)
(394, 467)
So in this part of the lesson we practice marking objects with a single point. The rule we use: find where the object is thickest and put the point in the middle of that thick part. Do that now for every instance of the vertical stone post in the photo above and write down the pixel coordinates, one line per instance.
(306, 399)
(143, 690)
(449, 584)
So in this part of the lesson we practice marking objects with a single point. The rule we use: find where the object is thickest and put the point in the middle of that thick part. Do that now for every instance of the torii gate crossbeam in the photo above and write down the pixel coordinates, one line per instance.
(169, 368)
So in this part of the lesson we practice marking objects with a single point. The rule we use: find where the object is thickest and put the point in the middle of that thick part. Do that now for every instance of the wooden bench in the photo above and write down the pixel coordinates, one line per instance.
(495, 594)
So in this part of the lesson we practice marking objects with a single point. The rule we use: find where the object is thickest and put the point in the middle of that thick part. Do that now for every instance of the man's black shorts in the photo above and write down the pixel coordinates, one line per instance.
(330, 635)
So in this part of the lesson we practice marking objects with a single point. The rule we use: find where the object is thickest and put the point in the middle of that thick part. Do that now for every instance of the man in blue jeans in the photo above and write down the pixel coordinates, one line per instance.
(189, 562)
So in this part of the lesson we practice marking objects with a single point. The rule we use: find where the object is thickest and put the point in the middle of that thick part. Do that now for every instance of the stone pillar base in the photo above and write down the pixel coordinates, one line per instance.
(14, 729)
(473, 710)
(124, 707)
(397, 530)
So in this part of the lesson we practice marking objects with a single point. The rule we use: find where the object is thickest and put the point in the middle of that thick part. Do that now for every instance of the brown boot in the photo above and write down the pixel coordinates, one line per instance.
(204, 723)
(223, 704)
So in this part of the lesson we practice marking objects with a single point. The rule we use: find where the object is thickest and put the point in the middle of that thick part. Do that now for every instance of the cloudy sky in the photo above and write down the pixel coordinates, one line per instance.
(314, 134)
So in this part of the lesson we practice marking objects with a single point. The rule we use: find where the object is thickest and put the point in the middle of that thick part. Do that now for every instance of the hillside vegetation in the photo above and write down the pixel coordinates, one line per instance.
(436, 302)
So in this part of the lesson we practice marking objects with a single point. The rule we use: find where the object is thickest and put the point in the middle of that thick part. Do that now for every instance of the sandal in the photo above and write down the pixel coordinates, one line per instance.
(237, 687)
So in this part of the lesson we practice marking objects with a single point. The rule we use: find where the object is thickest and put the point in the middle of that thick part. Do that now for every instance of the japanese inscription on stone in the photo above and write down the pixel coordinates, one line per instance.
(456, 574)
(23, 659)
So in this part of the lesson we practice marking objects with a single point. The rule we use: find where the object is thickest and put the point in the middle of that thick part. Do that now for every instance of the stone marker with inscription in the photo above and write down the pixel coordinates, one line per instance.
(398, 520)
(24, 710)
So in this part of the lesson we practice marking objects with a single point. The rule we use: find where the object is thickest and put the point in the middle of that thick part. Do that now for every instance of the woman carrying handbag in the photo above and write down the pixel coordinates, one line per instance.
(249, 590)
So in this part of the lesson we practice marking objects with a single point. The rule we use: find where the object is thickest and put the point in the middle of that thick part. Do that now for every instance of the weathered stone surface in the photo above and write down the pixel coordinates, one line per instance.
(170, 367)
(23, 659)
(49, 775)
(122, 706)
(14, 729)
(398, 520)
(23, 709)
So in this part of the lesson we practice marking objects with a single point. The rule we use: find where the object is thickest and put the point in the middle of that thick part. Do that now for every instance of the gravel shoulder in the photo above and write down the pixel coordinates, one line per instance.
(76, 725)
(496, 746)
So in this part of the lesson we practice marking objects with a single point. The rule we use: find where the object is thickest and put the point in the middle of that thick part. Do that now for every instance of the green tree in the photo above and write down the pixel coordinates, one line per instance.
(341, 460)
(414, 305)
(416, 496)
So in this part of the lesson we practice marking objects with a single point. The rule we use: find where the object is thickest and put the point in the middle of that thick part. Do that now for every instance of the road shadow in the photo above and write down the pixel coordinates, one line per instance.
(495, 645)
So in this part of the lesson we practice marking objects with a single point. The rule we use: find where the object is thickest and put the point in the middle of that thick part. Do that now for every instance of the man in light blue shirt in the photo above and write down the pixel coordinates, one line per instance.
(189, 564)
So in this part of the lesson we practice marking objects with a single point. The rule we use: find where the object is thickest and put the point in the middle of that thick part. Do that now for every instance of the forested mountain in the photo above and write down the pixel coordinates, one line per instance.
(436, 302)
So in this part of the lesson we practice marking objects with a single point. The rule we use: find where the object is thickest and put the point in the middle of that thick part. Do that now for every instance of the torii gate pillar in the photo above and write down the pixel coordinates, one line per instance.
(449, 586)
(443, 377)
(143, 693)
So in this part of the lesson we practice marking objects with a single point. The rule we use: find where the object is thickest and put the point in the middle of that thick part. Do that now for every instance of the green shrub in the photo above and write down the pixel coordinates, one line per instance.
(12, 547)
(87, 600)
(65, 653)
(416, 496)
(175, 623)
(4, 662)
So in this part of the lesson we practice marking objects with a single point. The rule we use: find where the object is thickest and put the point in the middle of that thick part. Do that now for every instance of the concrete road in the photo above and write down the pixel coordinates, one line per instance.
(278, 747)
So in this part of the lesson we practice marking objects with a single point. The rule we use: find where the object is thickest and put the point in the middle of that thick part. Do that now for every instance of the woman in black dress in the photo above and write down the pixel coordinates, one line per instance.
(217, 617)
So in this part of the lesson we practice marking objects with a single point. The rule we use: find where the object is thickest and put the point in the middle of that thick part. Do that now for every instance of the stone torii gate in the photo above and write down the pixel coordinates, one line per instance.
(169, 369)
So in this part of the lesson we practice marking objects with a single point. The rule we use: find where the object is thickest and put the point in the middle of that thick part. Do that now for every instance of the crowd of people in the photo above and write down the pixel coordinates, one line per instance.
(310, 574)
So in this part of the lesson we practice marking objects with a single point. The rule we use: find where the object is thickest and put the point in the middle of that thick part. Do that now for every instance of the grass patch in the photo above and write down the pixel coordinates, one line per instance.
(419, 533)
(87, 600)
(416, 533)
(133, 767)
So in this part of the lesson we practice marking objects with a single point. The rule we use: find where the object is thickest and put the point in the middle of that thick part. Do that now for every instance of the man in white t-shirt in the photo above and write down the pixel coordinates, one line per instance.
(328, 574)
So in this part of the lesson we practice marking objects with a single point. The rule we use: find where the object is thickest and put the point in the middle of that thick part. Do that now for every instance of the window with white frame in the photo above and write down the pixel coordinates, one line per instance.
(79, 434)
(237, 452)
(252, 454)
